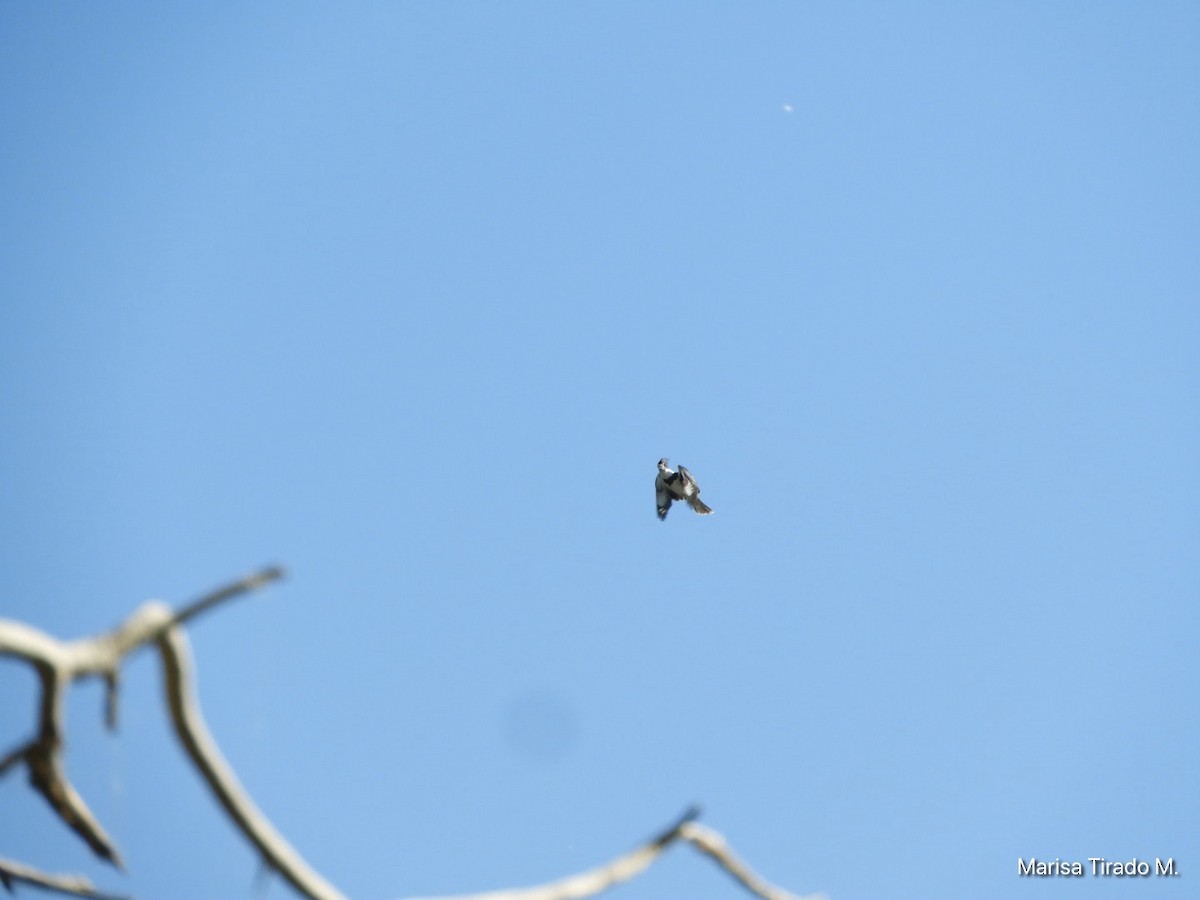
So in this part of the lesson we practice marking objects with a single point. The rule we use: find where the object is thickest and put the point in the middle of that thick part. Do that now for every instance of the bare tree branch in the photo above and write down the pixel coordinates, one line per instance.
(593, 881)
(712, 844)
(596, 881)
(276, 852)
(12, 874)
(228, 592)
(59, 663)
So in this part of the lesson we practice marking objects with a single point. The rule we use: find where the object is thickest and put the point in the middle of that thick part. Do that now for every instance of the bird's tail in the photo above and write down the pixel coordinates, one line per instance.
(699, 506)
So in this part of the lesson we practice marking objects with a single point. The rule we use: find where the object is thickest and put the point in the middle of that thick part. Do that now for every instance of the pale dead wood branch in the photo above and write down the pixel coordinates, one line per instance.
(58, 664)
(713, 844)
(234, 589)
(596, 881)
(13, 873)
(276, 852)
(593, 881)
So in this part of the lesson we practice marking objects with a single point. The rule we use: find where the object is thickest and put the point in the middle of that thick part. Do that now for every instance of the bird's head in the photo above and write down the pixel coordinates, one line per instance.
(662, 465)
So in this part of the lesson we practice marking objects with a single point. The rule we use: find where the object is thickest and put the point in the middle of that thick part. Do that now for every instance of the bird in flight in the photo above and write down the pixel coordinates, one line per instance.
(670, 486)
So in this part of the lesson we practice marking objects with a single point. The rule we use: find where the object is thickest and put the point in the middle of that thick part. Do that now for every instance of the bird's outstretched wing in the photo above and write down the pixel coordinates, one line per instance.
(690, 491)
(687, 484)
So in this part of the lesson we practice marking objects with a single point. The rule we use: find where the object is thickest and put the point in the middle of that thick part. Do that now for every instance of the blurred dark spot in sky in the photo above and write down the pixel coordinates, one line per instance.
(540, 727)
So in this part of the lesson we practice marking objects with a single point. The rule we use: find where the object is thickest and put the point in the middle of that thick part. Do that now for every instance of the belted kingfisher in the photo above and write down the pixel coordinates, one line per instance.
(669, 486)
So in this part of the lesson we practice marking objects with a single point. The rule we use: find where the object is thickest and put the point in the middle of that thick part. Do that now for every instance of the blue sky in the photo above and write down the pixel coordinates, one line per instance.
(411, 297)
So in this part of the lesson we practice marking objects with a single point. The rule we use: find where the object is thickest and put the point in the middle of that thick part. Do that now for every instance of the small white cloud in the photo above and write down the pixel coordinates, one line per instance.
(787, 108)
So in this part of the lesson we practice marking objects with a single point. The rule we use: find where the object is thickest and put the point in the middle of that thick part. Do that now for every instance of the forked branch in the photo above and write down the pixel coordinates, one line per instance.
(59, 663)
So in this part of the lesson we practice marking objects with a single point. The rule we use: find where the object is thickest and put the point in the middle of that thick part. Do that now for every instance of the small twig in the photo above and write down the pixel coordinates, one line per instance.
(12, 873)
(16, 755)
(112, 689)
(228, 592)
